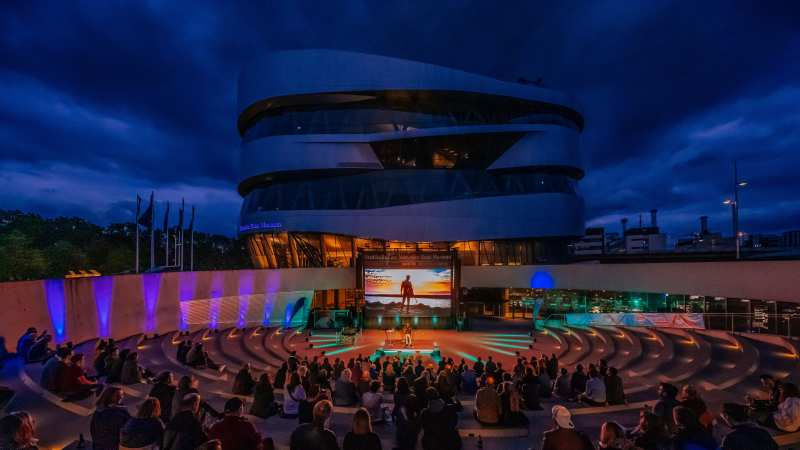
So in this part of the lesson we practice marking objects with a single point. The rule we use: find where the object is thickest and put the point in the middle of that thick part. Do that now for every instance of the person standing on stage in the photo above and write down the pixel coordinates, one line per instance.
(406, 291)
(407, 335)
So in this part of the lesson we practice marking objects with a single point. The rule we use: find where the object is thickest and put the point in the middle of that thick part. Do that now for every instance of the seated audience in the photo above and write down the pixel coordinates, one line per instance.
(361, 437)
(183, 351)
(234, 431)
(787, 417)
(306, 410)
(563, 385)
(291, 399)
(54, 370)
(469, 383)
(439, 424)
(280, 376)
(40, 349)
(264, 404)
(488, 408)
(612, 437)
(243, 383)
(164, 390)
(344, 393)
(564, 435)
(388, 377)
(667, 401)
(578, 380)
(744, 435)
(373, 402)
(114, 365)
(511, 400)
(73, 383)
(406, 417)
(689, 433)
(690, 398)
(17, 432)
(146, 428)
(185, 430)
(25, 342)
(650, 433)
(108, 419)
(199, 359)
(615, 392)
(315, 435)
(595, 394)
(132, 372)
(6, 395)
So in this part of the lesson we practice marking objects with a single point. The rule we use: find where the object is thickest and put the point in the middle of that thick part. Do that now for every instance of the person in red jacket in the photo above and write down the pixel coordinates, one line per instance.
(73, 383)
(234, 431)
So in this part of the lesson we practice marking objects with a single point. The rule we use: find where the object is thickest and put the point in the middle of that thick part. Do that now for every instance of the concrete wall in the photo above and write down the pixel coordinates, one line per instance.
(120, 306)
(761, 280)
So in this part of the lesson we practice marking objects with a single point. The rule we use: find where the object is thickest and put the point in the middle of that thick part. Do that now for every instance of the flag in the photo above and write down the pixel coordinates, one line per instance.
(146, 219)
(138, 207)
(180, 216)
(166, 219)
(191, 221)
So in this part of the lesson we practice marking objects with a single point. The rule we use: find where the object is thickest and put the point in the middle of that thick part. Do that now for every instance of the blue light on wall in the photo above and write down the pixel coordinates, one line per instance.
(186, 289)
(103, 292)
(54, 293)
(217, 290)
(151, 285)
(542, 280)
(246, 280)
(293, 315)
(273, 285)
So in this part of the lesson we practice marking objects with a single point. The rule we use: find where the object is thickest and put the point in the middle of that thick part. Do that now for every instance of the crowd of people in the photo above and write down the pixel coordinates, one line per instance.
(419, 396)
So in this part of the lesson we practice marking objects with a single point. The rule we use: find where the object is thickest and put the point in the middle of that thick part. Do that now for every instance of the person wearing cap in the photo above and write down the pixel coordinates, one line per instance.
(564, 436)
(234, 431)
(745, 434)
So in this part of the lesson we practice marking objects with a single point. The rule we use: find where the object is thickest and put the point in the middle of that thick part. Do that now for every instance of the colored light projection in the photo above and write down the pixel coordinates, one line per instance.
(246, 287)
(427, 292)
(217, 291)
(103, 288)
(151, 285)
(56, 305)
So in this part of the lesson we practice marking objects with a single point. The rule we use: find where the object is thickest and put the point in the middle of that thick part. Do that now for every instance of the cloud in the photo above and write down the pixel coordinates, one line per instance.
(139, 96)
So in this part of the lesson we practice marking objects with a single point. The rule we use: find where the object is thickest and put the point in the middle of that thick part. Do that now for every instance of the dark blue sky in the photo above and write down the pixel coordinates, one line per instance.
(101, 100)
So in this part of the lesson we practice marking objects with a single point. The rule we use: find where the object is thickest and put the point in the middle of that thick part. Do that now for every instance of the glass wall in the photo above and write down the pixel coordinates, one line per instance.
(386, 188)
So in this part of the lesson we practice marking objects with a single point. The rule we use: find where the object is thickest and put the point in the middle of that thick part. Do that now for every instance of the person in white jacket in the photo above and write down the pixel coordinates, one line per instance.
(787, 417)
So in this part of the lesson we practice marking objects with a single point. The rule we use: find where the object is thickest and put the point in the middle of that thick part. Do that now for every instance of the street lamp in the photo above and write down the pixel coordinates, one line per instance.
(734, 204)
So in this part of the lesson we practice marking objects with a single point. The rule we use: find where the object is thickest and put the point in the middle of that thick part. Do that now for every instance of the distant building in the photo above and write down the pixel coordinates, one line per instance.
(592, 243)
(705, 241)
(645, 239)
(765, 241)
(791, 238)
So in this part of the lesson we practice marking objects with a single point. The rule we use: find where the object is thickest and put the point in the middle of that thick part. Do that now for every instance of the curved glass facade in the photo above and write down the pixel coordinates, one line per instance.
(385, 188)
(404, 112)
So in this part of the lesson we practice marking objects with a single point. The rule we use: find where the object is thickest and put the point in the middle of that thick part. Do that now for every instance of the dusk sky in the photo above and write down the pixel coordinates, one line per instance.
(101, 100)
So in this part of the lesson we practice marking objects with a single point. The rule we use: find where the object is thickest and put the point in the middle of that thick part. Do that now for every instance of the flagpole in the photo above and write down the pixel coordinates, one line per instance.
(191, 244)
(136, 224)
(152, 234)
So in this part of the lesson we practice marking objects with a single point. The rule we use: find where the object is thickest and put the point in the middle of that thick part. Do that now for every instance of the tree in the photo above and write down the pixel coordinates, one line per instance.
(19, 260)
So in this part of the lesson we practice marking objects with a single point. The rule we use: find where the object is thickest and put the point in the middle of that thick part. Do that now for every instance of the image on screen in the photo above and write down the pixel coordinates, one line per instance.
(415, 292)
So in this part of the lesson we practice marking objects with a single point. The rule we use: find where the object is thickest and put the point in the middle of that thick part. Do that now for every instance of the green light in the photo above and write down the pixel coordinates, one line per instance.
(397, 319)
(332, 344)
(504, 352)
(416, 320)
(380, 320)
(435, 320)
(346, 349)
(500, 344)
(325, 335)
(466, 356)
(320, 341)
(523, 341)
(508, 335)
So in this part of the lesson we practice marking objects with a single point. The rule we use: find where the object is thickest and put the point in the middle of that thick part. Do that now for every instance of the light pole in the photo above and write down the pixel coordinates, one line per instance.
(734, 204)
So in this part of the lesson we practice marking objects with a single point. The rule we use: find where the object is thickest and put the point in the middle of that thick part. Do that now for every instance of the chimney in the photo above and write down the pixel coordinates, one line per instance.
(703, 225)
(624, 225)
(653, 220)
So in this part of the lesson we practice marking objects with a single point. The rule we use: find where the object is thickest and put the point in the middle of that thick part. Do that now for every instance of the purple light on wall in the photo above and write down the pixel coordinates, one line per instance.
(246, 288)
(54, 294)
(103, 292)
(151, 285)
(217, 290)
(273, 285)
(186, 289)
